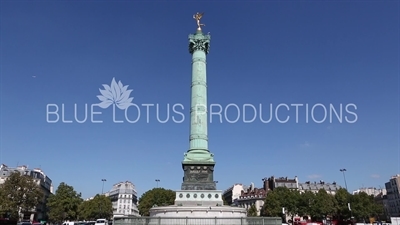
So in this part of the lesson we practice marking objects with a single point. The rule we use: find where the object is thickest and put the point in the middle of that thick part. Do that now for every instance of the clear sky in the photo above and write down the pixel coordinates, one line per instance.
(262, 52)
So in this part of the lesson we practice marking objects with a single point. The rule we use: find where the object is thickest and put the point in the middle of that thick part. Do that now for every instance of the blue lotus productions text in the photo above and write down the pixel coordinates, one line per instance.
(217, 113)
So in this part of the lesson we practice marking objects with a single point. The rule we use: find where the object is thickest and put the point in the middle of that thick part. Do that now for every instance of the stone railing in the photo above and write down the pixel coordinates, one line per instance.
(198, 221)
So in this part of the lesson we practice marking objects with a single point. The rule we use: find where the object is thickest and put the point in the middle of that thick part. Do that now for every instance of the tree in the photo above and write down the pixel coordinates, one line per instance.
(342, 198)
(324, 204)
(281, 197)
(98, 207)
(64, 204)
(272, 205)
(155, 197)
(252, 211)
(364, 206)
(85, 211)
(379, 210)
(306, 206)
(19, 193)
(292, 202)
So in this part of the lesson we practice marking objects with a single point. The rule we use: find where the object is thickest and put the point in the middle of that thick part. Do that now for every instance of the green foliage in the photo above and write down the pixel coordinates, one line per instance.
(64, 204)
(321, 204)
(277, 199)
(272, 205)
(156, 196)
(19, 192)
(324, 204)
(291, 204)
(252, 211)
(379, 210)
(98, 207)
(342, 197)
(364, 206)
(306, 204)
(87, 211)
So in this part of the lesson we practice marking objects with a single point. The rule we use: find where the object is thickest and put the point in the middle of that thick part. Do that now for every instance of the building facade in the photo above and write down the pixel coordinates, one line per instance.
(252, 196)
(294, 184)
(371, 191)
(383, 200)
(273, 182)
(124, 199)
(42, 180)
(393, 196)
(232, 194)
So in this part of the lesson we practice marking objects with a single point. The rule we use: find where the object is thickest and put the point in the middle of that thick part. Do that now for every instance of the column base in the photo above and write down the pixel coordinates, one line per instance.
(198, 156)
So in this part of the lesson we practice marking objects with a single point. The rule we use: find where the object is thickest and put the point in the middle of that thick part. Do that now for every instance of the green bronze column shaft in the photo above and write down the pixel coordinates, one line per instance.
(198, 148)
(198, 109)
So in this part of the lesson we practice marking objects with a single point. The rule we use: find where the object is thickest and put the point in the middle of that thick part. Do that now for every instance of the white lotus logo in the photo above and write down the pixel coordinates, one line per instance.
(116, 94)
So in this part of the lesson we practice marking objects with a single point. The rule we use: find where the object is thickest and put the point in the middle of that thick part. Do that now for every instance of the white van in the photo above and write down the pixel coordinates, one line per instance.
(101, 222)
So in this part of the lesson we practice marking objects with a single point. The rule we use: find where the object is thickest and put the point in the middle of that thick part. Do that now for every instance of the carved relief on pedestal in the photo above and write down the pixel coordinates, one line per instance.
(198, 173)
(197, 177)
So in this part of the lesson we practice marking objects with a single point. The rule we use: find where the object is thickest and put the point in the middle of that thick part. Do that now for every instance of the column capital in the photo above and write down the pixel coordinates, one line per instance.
(199, 42)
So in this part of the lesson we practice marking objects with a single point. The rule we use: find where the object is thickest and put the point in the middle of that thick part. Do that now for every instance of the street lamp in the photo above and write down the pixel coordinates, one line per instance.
(102, 188)
(157, 180)
(345, 183)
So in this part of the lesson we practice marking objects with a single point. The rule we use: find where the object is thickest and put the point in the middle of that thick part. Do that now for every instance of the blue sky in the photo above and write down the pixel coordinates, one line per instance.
(262, 52)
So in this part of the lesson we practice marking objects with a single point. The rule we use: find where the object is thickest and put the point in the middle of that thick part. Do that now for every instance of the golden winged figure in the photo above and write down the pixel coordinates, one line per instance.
(197, 17)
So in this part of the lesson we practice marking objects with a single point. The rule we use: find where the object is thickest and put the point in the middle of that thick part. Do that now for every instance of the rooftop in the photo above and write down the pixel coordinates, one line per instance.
(318, 185)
